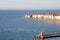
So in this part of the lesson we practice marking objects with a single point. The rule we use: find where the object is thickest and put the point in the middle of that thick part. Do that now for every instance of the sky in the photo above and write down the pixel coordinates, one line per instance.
(29, 4)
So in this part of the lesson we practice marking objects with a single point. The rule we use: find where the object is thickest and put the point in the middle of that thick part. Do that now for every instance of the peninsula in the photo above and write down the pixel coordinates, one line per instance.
(48, 16)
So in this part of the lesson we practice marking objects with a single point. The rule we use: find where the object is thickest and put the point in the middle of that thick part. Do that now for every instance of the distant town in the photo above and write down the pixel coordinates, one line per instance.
(48, 16)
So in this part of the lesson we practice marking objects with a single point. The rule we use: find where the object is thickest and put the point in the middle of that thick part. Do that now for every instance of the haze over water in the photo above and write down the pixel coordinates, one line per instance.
(14, 27)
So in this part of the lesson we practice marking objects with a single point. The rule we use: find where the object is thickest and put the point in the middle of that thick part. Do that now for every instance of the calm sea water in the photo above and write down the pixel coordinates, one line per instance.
(14, 27)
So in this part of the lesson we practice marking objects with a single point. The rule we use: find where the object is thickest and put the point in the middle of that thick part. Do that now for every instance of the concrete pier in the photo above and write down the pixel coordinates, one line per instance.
(48, 35)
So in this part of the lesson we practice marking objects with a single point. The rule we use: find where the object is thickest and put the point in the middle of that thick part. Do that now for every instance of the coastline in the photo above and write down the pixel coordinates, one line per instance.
(45, 17)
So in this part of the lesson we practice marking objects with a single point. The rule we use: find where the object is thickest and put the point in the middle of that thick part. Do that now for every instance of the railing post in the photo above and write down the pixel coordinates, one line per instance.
(41, 36)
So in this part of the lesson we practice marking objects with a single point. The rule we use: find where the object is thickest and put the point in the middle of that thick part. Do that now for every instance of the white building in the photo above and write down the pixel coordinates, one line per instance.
(27, 15)
(57, 17)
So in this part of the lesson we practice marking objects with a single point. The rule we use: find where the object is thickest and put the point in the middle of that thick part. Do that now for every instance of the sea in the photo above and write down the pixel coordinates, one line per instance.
(14, 27)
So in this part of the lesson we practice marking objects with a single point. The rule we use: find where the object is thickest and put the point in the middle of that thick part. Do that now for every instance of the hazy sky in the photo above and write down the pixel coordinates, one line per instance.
(29, 4)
